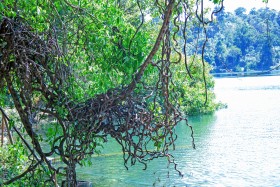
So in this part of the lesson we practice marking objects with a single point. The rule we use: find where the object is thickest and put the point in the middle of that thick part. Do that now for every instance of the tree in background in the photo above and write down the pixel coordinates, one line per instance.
(266, 57)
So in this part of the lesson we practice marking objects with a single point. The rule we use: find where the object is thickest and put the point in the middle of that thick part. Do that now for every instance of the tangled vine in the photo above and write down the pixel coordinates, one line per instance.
(33, 64)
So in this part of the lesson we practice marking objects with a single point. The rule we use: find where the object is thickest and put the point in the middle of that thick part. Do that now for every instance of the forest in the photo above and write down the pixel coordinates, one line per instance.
(244, 42)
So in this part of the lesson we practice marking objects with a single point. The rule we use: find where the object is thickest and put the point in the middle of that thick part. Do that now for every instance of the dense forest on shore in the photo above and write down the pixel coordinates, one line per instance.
(243, 41)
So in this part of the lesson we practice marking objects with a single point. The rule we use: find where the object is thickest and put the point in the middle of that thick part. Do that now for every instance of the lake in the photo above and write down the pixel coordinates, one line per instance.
(236, 146)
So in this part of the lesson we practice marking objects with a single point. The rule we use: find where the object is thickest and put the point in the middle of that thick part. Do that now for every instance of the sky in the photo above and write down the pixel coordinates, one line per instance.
(231, 5)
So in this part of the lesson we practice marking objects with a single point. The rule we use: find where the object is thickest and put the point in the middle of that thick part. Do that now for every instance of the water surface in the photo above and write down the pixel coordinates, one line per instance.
(237, 146)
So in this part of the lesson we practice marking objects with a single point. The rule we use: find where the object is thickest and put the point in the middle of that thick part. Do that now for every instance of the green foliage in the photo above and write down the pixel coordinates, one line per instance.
(101, 41)
(13, 161)
(104, 59)
(194, 96)
(216, 1)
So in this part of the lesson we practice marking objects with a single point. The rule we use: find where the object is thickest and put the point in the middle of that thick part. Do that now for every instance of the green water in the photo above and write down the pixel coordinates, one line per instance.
(237, 146)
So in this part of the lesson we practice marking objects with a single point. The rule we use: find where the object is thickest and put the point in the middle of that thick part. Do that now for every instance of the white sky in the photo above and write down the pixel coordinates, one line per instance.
(231, 5)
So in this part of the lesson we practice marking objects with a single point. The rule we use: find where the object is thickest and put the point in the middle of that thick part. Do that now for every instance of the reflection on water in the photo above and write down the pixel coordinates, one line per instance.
(237, 146)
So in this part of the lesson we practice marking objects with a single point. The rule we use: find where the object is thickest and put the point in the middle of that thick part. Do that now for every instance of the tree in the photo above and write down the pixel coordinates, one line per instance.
(233, 57)
(220, 55)
(241, 11)
(266, 60)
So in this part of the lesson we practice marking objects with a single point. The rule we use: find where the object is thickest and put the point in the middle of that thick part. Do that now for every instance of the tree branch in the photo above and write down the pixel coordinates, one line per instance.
(139, 74)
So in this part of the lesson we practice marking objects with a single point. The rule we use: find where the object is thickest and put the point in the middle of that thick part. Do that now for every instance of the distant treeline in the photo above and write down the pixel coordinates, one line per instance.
(242, 41)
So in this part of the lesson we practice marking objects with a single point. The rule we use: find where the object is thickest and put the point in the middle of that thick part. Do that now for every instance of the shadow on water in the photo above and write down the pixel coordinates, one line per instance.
(201, 126)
